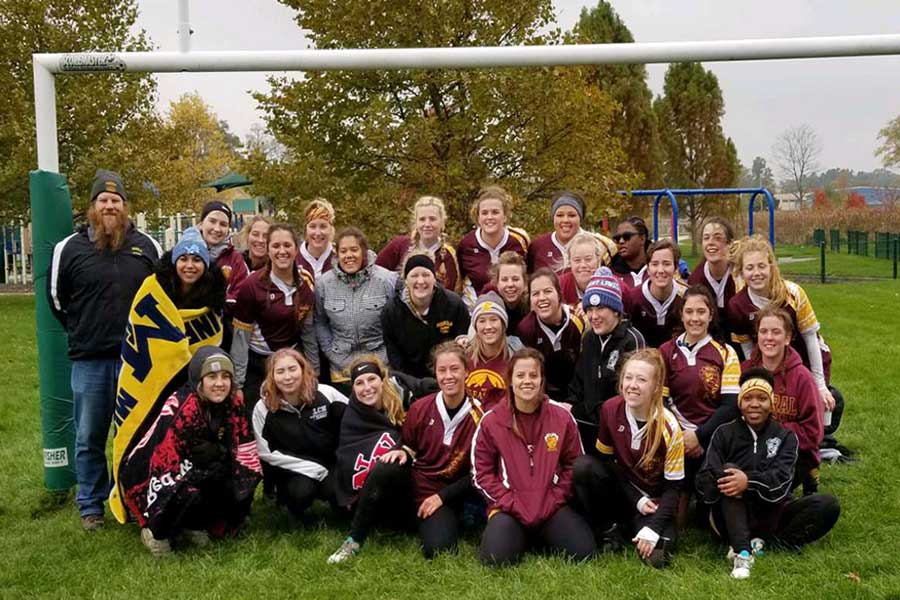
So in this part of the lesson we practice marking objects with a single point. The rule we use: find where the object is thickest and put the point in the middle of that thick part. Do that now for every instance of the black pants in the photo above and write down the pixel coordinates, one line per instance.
(386, 498)
(253, 379)
(806, 473)
(440, 531)
(297, 492)
(210, 505)
(505, 539)
(794, 524)
(600, 497)
(837, 412)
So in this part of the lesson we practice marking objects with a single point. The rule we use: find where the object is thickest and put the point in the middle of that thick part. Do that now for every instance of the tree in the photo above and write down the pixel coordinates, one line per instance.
(889, 151)
(821, 201)
(372, 141)
(102, 119)
(796, 152)
(761, 174)
(855, 200)
(635, 123)
(697, 154)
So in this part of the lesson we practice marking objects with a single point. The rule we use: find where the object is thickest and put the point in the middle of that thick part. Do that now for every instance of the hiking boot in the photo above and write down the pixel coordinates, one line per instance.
(196, 537)
(158, 548)
(92, 522)
(743, 562)
(348, 550)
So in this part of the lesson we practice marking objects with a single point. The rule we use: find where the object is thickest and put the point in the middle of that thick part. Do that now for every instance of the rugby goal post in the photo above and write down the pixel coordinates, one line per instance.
(51, 202)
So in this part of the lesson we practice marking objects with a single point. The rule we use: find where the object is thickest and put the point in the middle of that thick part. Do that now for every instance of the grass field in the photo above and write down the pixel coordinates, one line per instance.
(51, 557)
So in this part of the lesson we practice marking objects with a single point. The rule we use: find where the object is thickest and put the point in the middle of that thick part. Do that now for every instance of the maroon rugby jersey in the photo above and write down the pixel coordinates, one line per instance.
(260, 308)
(475, 259)
(392, 256)
(487, 380)
(440, 445)
(660, 323)
(316, 267)
(235, 270)
(547, 251)
(729, 289)
(615, 438)
(560, 349)
(569, 288)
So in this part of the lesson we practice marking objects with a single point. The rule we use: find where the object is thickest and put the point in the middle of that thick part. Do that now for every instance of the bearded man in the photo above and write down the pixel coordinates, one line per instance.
(94, 275)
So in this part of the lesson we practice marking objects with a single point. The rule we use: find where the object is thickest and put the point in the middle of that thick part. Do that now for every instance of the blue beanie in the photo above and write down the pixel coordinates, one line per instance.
(603, 290)
(191, 243)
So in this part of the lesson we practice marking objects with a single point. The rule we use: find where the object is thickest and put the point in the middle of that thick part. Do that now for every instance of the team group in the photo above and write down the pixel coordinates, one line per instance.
(573, 393)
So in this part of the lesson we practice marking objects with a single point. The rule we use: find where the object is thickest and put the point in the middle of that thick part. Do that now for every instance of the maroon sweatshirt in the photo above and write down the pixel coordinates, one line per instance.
(528, 477)
(394, 254)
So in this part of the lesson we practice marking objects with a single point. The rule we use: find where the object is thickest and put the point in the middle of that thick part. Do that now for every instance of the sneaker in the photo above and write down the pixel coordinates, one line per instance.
(196, 537)
(92, 522)
(757, 546)
(743, 562)
(157, 548)
(348, 550)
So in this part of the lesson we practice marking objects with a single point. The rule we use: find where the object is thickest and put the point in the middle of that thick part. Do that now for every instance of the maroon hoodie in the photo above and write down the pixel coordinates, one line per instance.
(796, 405)
(529, 480)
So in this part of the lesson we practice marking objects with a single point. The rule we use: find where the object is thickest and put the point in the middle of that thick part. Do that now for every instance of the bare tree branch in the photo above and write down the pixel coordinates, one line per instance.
(796, 153)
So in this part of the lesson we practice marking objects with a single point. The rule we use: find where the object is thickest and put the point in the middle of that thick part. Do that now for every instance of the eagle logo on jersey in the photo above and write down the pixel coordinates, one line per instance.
(772, 446)
(444, 326)
(481, 379)
(363, 466)
(226, 271)
(552, 441)
(711, 378)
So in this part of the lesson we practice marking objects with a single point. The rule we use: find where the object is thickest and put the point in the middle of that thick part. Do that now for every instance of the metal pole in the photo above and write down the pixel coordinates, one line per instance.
(184, 26)
(45, 118)
(822, 254)
(896, 252)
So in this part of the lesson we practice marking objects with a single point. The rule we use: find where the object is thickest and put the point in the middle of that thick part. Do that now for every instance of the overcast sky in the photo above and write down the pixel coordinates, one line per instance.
(846, 100)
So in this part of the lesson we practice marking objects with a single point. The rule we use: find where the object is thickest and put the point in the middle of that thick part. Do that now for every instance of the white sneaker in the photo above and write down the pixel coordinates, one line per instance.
(743, 562)
(157, 548)
(348, 550)
(197, 537)
(757, 546)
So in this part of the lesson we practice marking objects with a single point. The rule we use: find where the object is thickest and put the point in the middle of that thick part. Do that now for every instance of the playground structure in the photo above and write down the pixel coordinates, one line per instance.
(672, 195)
(51, 202)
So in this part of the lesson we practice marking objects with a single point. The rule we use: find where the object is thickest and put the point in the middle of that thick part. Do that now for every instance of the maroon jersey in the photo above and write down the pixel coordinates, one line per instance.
(621, 436)
(487, 380)
(440, 445)
(260, 307)
(722, 290)
(547, 251)
(476, 258)
(627, 277)
(392, 256)
(560, 349)
(235, 270)
(698, 380)
(797, 403)
(658, 321)
(571, 295)
(316, 266)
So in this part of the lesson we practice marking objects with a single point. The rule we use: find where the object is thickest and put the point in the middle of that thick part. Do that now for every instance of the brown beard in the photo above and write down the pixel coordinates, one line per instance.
(108, 233)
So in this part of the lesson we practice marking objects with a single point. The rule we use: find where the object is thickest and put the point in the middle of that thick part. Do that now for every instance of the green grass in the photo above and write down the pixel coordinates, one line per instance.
(52, 557)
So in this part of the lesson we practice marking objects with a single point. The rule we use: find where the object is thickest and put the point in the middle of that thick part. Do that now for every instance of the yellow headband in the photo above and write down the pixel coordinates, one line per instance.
(757, 384)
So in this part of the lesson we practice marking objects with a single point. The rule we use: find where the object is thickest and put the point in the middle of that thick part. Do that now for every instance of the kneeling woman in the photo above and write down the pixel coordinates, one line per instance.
(641, 493)
(195, 470)
(296, 424)
(522, 459)
(376, 490)
(747, 476)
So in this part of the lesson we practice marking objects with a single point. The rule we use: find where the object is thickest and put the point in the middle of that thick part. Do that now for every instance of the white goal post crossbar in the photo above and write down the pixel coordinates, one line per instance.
(47, 66)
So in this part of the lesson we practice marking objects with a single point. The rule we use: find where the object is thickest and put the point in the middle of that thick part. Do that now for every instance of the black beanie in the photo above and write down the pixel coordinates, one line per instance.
(216, 205)
(107, 181)
(418, 260)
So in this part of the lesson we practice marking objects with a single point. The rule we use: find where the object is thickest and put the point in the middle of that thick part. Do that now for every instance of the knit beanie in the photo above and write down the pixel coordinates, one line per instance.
(418, 260)
(216, 205)
(191, 243)
(107, 181)
(489, 304)
(208, 359)
(603, 290)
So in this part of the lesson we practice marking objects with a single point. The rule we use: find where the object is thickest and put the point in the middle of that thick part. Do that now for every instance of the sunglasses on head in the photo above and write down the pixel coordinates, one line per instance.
(624, 236)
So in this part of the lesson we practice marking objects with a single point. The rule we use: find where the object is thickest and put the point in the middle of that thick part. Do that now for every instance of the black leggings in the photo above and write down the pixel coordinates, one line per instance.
(386, 498)
(505, 539)
(837, 412)
(296, 492)
(440, 531)
(253, 379)
(800, 521)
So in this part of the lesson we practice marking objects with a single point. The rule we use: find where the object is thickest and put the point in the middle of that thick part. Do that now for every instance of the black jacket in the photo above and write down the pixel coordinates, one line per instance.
(409, 339)
(768, 457)
(90, 291)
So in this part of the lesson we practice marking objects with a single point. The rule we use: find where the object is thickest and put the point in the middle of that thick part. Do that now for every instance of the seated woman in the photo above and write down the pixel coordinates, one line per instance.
(196, 469)
(296, 424)
(553, 331)
(654, 307)
(489, 350)
(568, 210)
(632, 488)
(795, 402)
(429, 219)
(420, 316)
(349, 300)
(701, 382)
(437, 440)
(509, 278)
(632, 239)
(715, 272)
(604, 349)
(584, 255)
(747, 475)
(375, 490)
(522, 458)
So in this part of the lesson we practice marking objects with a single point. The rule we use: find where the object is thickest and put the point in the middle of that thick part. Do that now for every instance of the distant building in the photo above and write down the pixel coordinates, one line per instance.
(875, 197)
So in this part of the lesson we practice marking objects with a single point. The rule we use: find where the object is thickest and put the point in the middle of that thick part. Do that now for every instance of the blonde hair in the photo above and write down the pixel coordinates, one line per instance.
(423, 202)
(318, 208)
(491, 192)
(243, 236)
(476, 348)
(778, 292)
(585, 238)
(656, 426)
(391, 401)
